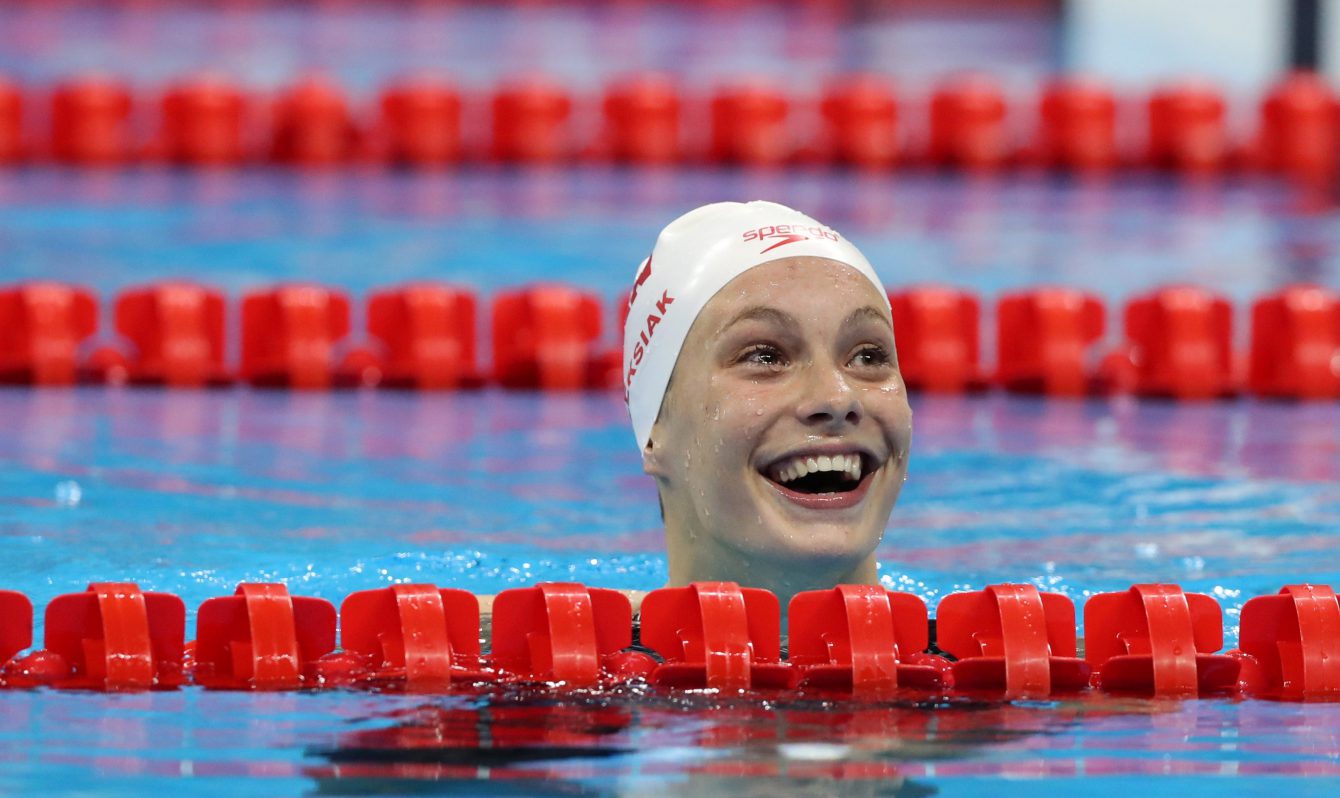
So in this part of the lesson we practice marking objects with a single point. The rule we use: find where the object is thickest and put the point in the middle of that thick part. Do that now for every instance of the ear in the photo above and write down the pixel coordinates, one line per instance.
(653, 453)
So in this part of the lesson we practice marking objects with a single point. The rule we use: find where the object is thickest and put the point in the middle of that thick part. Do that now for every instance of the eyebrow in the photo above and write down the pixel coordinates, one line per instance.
(765, 314)
(784, 319)
(867, 312)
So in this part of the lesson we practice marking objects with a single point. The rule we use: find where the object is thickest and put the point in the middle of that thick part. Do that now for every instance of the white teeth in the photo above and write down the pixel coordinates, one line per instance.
(796, 467)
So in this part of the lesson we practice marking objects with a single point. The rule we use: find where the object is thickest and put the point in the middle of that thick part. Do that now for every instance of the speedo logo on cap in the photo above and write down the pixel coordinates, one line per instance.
(779, 235)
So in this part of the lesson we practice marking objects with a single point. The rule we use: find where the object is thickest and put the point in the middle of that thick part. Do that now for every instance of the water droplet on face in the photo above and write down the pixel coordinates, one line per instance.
(68, 493)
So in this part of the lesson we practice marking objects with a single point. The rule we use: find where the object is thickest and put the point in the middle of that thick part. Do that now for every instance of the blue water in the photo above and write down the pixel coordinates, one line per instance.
(192, 492)
(490, 228)
(267, 43)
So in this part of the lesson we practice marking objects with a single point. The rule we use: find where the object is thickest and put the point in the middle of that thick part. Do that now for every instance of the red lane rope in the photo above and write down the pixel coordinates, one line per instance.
(865, 121)
(1007, 641)
(1174, 342)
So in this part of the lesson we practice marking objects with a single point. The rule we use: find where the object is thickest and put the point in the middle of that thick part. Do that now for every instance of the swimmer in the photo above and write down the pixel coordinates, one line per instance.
(766, 399)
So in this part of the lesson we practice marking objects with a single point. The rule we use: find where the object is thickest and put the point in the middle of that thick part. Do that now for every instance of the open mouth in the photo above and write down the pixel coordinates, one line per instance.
(818, 474)
(822, 481)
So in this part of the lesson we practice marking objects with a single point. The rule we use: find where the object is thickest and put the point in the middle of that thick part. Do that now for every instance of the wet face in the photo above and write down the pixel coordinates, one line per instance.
(783, 439)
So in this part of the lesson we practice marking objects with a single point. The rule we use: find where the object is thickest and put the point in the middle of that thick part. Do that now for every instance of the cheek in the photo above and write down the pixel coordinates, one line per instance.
(894, 414)
(735, 415)
(735, 402)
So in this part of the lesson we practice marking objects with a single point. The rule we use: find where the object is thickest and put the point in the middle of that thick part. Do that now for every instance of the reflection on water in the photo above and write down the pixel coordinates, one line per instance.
(580, 744)
(640, 742)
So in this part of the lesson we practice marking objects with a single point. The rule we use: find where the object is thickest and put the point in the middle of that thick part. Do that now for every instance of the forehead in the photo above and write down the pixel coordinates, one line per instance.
(802, 287)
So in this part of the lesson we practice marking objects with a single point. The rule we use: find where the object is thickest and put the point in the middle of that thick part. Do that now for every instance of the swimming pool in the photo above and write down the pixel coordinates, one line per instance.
(192, 492)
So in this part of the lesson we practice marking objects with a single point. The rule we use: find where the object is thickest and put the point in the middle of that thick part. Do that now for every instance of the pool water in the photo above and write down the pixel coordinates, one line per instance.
(265, 44)
(191, 492)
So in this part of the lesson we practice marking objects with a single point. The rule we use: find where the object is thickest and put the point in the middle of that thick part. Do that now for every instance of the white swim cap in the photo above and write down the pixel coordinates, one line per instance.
(695, 256)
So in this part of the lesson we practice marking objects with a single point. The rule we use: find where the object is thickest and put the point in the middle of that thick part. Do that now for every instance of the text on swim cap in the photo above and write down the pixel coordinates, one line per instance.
(644, 338)
(641, 278)
(788, 234)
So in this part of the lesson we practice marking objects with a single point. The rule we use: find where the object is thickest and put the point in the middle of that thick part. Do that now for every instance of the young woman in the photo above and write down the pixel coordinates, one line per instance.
(766, 398)
(765, 395)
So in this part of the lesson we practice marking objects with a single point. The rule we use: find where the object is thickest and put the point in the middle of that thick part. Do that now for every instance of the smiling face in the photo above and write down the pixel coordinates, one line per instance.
(782, 442)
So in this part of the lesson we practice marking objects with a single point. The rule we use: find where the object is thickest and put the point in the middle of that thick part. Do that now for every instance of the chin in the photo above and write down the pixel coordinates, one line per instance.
(828, 545)
(818, 537)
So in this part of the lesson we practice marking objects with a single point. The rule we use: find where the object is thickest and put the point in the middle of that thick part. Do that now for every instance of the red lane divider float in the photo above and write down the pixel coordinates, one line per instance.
(750, 126)
(1290, 643)
(421, 123)
(90, 122)
(938, 339)
(1157, 640)
(546, 337)
(1180, 344)
(1177, 340)
(205, 122)
(1299, 128)
(863, 639)
(1186, 129)
(110, 637)
(531, 122)
(262, 638)
(565, 632)
(12, 149)
(1295, 350)
(715, 635)
(176, 330)
(313, 126)
(16, 624)
(429, 335)
(1078, 126)
(968, 125)
(1011, 641)
(642, 120)
(1044, 338)
(415, 636)
(861, 113)
(425, 122)
(290, 334)
(41, 327)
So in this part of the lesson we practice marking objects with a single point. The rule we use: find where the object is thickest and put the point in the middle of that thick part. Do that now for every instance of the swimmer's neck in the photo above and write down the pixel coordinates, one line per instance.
(784, 579)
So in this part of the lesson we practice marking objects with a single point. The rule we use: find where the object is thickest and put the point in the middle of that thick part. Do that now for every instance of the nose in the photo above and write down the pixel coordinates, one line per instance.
(829, 400)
